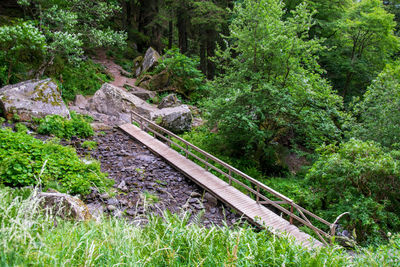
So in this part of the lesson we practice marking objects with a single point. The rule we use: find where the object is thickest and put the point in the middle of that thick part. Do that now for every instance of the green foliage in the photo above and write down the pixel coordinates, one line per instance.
(361, 45)
(91, 145)
(84, 79)
(29, 237)
(25, 160)
(20, 45)
(21, 128)
(360, 178)
(271, 93)
(78, 125)
(184, 76)
(377, 114)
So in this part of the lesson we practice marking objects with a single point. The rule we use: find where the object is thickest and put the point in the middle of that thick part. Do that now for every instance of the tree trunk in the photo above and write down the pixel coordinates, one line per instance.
(182, 21)
(170, 34)
(211, 53)
(203, 56)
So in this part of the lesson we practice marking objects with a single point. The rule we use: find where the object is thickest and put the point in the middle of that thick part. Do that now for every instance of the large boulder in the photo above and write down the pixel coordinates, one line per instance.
(146, 63)
(65, 206)
(142, 93)
(156, 82)
(176, 119)
(169, 101)
(114, 101)
(150, 59)
(33, 98)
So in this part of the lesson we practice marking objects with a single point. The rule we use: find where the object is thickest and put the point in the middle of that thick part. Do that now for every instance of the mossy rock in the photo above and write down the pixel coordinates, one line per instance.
(33, 98)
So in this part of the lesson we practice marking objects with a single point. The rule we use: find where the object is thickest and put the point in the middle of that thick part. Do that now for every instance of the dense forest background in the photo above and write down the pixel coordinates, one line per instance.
(301, 94)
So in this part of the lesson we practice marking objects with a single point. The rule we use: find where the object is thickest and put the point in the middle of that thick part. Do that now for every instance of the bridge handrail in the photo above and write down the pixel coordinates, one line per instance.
(144, 122)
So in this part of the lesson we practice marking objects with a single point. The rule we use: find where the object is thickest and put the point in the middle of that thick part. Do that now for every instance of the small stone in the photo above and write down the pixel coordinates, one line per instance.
(193, 200)
(122, 186)
(130, 212)
(113, 201)
(213, 210)
(198, 206)
(211, 200)
(195, 194)
(111, 207)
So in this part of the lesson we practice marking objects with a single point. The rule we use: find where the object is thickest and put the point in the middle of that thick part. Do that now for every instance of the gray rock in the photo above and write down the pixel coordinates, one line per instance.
(80, 101)
(169, 101)
(99, 126)
(113, 201)
(32, 98)
(65, 206)
(211, 200)
(198, 206)
(96, 209)
(111, 207)
(114, 101)
(195, 194)
(122, 186)
(177, 119)
(150, 60)
(105, 196)
(143, 93)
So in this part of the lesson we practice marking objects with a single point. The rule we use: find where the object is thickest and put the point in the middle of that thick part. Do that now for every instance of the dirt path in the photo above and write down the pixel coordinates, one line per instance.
(119, 74)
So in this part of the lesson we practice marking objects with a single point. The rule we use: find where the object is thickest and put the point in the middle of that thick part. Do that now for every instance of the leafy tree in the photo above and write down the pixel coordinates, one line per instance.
(360, 178)
(71, 26)
(271, 92)
(378, 114)
(364, 42)
(19, 43)
(183, 72)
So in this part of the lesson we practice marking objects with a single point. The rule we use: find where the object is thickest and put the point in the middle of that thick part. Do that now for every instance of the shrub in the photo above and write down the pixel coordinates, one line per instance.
(358, 177)
(78, 125)
(91, 145)
(184, 75)
(84, 79)
(22, 158)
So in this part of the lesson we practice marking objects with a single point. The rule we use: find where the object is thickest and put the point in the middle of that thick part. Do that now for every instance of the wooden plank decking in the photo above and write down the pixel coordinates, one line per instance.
(254, 212)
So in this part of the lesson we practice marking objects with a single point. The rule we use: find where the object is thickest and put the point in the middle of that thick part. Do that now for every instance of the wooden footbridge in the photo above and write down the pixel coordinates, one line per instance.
(246, 195)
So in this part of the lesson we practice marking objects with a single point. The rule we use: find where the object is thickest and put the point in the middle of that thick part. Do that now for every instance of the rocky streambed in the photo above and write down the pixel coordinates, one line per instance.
(145, 183)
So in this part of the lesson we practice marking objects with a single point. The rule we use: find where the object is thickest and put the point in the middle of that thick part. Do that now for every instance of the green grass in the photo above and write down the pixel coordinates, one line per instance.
(29, 237)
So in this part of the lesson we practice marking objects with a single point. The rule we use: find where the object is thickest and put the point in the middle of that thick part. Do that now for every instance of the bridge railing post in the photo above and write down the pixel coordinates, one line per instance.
(291, 213)
(206, 167)
(229, 177)
(258, 194)
(187, 151)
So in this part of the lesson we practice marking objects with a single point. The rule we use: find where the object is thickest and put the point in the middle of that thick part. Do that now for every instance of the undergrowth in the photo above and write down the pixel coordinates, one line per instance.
(24, 160)
(29, 237)
(78, 125)
(84, 79)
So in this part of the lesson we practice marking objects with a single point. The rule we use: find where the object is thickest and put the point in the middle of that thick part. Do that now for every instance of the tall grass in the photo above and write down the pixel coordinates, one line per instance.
(28, 236)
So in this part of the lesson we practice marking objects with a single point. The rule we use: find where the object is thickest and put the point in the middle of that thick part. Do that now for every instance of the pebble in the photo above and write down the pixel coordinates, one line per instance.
(111, 207)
